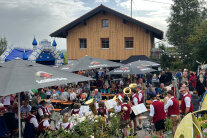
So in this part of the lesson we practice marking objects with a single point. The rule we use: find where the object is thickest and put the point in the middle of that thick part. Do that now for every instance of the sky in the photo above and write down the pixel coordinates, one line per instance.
(22, 20)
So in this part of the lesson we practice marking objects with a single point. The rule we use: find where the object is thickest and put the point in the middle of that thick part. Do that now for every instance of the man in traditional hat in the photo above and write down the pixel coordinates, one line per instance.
(124, 109)
(157, 115)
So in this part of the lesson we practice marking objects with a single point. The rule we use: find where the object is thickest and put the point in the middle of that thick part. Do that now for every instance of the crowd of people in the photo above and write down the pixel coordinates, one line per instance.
(36, 108)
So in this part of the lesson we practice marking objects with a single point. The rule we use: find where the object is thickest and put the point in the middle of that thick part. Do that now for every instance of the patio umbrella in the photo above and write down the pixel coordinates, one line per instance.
(20, 75)
(131, 69)
(88, 62)
(144, 63)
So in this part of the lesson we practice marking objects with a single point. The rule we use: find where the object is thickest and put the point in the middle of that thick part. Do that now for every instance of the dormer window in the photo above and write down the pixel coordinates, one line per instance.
(105, 23)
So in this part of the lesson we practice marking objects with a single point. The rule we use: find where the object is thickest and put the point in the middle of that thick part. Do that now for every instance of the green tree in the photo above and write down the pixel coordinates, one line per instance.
(3, 45)
(198, 40)
(185, 15)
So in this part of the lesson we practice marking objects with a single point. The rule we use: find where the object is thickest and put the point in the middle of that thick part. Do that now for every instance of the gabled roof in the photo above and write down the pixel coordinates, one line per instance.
(63, 32)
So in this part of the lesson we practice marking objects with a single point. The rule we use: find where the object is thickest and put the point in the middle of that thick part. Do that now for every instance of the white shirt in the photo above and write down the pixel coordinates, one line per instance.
(46, 123)
(118, 108)
(34, 121)
(79, 113)
(41, 112)
(73, 96)
(135, 100)
(168, 104)
(6, 100)
(152, 110)
(187, 100)
(64, 125)
(140, 95)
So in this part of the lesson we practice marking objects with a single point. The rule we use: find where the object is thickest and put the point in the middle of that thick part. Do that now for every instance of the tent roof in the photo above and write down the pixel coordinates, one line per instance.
(18, 53)
(136, 58)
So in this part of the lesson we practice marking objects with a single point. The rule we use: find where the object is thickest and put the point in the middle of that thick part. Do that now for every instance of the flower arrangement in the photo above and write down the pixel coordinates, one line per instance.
(89, 126)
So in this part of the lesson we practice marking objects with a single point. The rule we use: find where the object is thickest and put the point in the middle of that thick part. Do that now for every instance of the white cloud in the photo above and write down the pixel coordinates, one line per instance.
(156, 14)
(101, 1)
(22, 19)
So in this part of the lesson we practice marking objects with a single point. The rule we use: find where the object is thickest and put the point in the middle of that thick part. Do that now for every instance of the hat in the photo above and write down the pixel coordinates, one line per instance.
(96, 89)
(126, 99)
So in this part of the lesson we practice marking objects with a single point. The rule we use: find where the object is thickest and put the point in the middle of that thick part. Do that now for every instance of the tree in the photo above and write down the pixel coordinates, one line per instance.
(3, 45)
(198, 40)
(185, 15)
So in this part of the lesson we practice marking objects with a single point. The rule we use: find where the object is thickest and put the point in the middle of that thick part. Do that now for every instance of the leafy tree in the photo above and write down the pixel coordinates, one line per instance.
(3, 45)
(185, 15)
(198, 40)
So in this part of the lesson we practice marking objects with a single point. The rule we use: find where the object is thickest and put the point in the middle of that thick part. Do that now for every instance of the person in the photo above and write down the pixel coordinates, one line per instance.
(35, 100)
(172, 109)
(185, 75)
(31, 126)
(98, 94)
(73, 95)
(55, 95)
(44, 125)
(157, 116)
(195, 100)
(65, 124)
(83, 97)
(25, 108)
(42, 94)
(140, 101)
(11, 120)
(105, 89)
(186, 103)
(193, 80)
(76, 110)
(92, 95)
(124, 109)
(161, 90)
(3, 126)
(50, 106)
(65, 95)
(162, 77)
(142, 85)
(168, 76)
(150, 91)
(149, 79)
(6, 101)
(102, 109)
(48, 93)
(134, 102)
(43, 110)
(179, 75)
(200, 85)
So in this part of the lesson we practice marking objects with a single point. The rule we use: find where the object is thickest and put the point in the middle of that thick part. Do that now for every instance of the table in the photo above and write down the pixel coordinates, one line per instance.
(108, 95)
(57, 110)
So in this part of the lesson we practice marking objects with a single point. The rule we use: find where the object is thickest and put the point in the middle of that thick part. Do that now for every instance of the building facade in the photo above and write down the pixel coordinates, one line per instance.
(107, 34)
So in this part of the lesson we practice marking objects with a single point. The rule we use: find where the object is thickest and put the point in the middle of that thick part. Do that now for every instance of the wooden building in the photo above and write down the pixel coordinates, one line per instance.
(107, 34)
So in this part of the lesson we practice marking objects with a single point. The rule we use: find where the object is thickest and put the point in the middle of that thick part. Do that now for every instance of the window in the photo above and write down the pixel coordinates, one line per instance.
(129, 42)
(104, 42)
(83, 43)
(105, 23)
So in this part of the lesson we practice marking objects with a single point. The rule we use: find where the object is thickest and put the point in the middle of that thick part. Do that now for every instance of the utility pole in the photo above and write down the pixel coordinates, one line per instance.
(131, 8)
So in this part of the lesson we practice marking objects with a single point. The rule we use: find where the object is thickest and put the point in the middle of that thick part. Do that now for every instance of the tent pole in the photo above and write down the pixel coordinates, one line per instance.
(19, 115)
